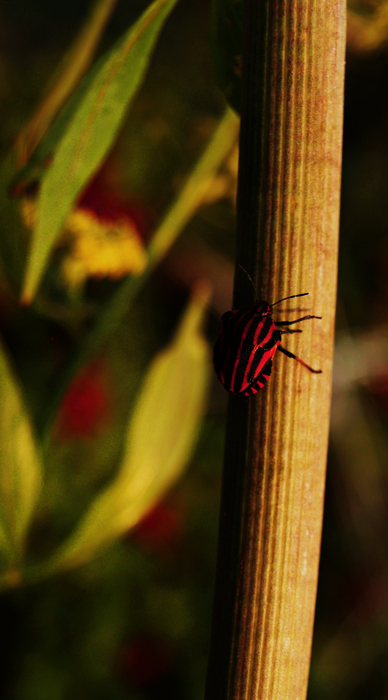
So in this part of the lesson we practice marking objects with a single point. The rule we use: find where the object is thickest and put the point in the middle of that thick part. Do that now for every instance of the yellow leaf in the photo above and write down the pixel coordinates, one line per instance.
(20, 465)
(160, 438)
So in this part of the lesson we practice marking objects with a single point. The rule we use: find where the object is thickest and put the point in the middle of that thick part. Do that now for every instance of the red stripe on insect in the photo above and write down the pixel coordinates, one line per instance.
(254, 351)
(238, 357)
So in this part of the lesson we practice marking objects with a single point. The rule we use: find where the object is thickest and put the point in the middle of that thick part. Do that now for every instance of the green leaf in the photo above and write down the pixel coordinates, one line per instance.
(20, 465)
(160, 438)
(226, 41)
(66, 77)
(40, 160)
(12, 232)
(91, 133)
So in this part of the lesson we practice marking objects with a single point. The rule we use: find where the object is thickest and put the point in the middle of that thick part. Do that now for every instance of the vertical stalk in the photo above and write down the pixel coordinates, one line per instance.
(276, 445)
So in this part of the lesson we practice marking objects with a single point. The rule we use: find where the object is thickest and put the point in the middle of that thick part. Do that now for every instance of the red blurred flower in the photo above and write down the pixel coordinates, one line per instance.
(145, 660)
(85, 405)
(104, 203)
(378, 387)
(160, 530)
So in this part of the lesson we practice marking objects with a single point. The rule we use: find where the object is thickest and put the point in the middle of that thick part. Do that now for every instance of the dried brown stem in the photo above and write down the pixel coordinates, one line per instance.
(288, 212)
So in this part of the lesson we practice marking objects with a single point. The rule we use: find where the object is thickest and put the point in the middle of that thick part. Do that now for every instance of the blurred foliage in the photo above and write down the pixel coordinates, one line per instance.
(89, 131)
(70, 71)
(92, 439)
(367, 24)
(20, 467)
(134, 622)
(350, 653)
(226, 40)
(157, 442)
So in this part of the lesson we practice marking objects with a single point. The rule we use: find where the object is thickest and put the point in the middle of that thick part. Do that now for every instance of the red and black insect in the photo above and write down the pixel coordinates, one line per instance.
(247, 343)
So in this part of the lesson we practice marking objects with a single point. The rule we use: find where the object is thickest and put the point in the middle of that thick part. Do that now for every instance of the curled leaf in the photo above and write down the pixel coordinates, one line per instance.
(20, 465)
(160, 438)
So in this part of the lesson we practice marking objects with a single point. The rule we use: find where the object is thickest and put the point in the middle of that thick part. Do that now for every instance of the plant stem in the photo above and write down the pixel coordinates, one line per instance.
(276, 445)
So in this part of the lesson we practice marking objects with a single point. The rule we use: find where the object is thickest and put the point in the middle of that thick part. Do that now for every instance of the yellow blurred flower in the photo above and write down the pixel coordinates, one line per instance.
(101, 249)
(96, 247)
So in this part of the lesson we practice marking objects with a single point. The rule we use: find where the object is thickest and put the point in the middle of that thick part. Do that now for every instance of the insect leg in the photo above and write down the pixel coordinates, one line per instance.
(289, 323)
(289, 330)
(294, 357)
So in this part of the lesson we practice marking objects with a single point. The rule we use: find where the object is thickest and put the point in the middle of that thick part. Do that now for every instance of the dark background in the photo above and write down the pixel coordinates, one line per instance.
(135, 623)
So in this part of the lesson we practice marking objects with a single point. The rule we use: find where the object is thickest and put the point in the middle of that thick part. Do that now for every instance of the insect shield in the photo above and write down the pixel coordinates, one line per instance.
(247, 343)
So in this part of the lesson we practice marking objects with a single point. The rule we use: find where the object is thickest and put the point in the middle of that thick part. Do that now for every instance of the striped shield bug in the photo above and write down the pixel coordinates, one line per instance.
(247, 343)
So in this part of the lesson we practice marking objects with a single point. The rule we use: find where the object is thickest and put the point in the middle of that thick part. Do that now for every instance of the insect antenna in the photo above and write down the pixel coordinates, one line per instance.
(250, 279)
(285, 298)
(294, 357)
